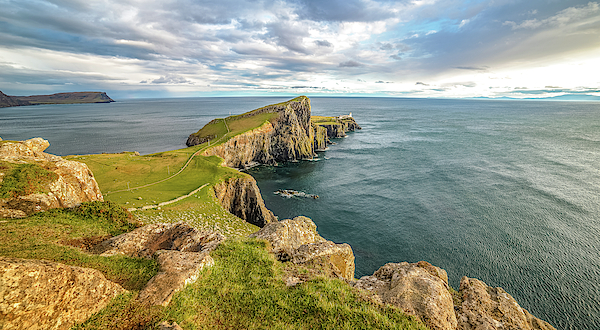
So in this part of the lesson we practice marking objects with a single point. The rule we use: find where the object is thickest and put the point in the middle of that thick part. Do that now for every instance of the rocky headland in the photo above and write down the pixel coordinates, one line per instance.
(59, 98)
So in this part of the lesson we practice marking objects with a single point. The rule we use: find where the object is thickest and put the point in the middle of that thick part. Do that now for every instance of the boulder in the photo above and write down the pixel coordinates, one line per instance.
(74, 183)
(488, 308)
(297, 240)
(285, 236)
(36, 294)
(177, 269)
(419, 289)
(143, 242)
(339, 256)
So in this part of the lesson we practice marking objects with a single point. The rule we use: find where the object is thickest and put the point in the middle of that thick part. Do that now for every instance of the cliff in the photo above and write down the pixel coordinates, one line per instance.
(32, 180)
(10, 101)
(287, 133)
(59, 98)
(241, 197)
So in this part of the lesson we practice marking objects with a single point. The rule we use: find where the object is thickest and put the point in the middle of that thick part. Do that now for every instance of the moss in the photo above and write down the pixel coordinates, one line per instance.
(24, 179)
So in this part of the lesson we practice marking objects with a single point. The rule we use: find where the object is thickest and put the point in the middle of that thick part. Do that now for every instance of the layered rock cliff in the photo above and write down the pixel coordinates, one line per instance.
(242, 198)
(59, 182)
(289, 135)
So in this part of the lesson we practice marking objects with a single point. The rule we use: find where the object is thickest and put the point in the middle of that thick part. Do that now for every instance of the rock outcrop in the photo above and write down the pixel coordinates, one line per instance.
(242, 198)
(297, 240)
(74, 182)
(419, 289)
(485, 307)
(143, 242)
(42, 295)
(177, 269)
(422, 290)
(180, 250)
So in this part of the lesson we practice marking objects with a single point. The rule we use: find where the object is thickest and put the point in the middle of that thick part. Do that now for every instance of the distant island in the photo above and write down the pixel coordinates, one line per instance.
(59, 98)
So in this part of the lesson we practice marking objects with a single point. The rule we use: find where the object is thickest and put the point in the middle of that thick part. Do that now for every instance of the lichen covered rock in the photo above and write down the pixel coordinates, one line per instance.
(419, 289)
(485, 307)
(177, 269)
(297, 240)
(74, 183)
(143, 242)
(36, 294)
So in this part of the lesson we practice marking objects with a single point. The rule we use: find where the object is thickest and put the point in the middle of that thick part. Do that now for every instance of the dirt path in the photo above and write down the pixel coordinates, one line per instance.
(180, 170)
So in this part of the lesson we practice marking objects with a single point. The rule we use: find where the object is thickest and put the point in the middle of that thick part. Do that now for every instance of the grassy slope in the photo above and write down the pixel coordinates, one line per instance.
(44, 236)
(245, 290)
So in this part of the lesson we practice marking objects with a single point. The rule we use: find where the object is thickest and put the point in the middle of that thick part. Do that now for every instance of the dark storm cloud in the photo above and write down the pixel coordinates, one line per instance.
(323, 43)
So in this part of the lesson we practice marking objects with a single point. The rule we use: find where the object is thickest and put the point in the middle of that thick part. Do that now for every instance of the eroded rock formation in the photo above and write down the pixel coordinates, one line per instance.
(180, 250)
(422, 290)
(297, 240)
(74, 183)
(242, 198)
(36, 294)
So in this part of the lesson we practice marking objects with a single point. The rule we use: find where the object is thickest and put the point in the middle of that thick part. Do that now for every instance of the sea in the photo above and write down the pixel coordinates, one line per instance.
(504, 191)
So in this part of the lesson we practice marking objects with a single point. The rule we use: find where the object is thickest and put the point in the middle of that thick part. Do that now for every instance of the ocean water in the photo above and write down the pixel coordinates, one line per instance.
(504, 191)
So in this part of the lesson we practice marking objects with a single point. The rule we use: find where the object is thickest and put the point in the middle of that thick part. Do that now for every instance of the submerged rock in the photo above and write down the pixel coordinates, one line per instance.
(36, 294)
(289, 193)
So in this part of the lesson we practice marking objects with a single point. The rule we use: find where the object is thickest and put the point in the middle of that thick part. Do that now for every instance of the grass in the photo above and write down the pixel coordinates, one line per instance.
(24, 179)
(245, 290)
(46, 234)
(202, 210)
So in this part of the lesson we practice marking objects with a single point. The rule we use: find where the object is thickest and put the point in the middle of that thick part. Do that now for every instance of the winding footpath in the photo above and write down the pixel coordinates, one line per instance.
(180, 170)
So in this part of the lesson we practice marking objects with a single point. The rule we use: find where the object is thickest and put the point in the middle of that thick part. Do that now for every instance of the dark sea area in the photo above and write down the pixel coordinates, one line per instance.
(504, 191)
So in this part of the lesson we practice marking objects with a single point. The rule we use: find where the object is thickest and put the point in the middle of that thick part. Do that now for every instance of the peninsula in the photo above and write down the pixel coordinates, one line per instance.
(213, 256)
(59, 98)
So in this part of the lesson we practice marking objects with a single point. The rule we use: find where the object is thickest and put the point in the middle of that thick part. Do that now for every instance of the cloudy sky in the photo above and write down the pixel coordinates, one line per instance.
(406, 48)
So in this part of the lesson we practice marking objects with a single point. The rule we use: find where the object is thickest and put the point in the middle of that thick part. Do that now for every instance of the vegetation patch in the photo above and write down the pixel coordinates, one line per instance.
(43, 235)
(24, 179)
(245, 290)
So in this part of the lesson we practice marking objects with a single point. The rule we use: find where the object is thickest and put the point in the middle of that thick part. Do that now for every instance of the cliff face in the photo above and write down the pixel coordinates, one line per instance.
(69, 183)
(60, 98)
(10, 101)
(289, 136)
(241, 197)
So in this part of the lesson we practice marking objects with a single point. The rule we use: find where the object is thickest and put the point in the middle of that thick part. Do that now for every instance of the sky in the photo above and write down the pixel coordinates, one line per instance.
(405, 48)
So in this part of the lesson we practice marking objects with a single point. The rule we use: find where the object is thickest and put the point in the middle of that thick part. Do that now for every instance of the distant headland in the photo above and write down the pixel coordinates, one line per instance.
(59, 98)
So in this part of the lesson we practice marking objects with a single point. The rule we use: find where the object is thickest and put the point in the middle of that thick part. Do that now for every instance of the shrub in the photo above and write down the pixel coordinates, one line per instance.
(119, 219)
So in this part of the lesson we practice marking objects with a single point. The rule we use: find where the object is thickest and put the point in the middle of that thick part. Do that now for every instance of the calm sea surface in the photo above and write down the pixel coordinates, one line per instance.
(504, 191)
